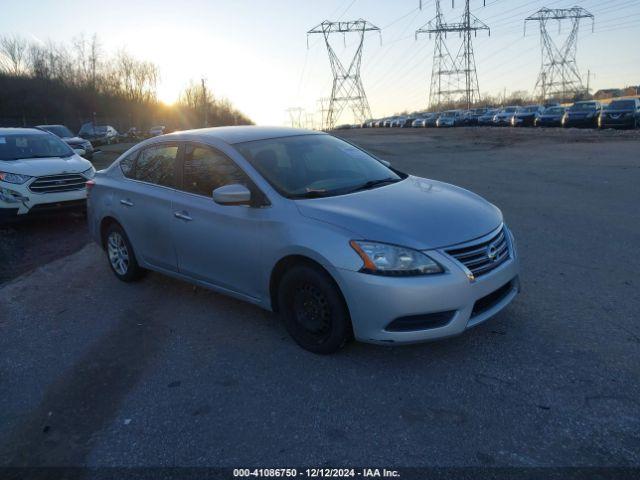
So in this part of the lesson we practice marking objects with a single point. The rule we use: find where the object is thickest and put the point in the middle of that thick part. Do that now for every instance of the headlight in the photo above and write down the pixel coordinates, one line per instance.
(385, 259)
(14, 178)
(89, 173)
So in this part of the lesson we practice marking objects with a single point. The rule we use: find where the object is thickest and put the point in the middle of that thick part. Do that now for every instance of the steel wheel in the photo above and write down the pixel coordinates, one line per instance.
(312, 310)
(118, 253)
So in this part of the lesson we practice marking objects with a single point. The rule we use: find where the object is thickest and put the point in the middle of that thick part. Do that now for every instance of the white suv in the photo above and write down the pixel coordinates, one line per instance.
(39, 173)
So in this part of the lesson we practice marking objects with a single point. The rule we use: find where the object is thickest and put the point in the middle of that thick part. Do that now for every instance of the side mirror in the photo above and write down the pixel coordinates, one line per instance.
(79, 151)
(234, 194)
(385, 163)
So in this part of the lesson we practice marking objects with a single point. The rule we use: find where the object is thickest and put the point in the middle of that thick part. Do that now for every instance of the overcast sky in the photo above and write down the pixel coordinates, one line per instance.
(254, 52)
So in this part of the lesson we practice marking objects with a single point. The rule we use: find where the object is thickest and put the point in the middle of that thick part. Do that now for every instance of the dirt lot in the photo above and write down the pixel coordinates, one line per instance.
(96, 372)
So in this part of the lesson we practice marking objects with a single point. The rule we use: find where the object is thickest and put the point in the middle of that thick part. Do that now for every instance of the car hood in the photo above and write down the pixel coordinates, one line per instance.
(74, 140)
(45, 166)
(582, 113)
(416, 212)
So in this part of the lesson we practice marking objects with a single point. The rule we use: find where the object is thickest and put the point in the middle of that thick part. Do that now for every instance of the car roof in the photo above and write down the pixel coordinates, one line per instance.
(20, 131)
(240, 134)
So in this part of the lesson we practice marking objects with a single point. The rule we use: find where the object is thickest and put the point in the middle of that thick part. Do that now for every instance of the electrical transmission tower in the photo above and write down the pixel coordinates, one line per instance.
(347, 87)
(323, 104)
(295, 116)
(559, 75)
(453, 78)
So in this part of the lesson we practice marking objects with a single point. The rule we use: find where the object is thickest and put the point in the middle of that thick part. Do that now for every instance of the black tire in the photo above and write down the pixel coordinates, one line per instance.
(313, 310)
(115, 238)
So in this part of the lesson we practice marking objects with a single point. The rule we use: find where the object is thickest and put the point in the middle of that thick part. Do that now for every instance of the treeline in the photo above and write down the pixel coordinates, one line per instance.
(77, 83)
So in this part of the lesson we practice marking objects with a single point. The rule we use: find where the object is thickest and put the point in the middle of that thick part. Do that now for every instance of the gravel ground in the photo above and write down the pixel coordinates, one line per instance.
(158, 373)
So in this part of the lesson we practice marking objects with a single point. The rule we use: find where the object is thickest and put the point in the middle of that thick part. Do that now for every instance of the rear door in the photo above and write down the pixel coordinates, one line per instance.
(216, 243)
(145, 203)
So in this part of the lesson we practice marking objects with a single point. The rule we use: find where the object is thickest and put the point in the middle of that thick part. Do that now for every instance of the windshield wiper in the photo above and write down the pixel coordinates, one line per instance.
(374, 183)
(311, 194)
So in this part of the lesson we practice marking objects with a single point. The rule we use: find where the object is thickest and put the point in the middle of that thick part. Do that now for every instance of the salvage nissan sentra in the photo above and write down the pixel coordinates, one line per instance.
(338, 242)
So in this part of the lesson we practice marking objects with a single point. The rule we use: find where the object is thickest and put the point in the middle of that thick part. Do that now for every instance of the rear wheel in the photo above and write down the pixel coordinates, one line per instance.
(313, 310)
(122, 259)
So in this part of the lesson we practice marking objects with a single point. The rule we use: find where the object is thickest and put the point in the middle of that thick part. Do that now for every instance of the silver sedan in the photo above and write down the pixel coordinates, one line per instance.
(336, 241)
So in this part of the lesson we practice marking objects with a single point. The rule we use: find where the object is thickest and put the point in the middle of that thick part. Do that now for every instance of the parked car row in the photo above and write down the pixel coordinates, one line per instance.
(622, 113)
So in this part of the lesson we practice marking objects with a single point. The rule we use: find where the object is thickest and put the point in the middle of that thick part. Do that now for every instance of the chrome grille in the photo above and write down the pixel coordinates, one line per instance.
(58, 183)
(483, 257)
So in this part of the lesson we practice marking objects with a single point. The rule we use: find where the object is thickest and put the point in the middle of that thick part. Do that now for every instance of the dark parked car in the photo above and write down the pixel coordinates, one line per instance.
(550, 117)
(70, 139)
(99, 134)
(582, 114)
(504, 116)
(487, 117)
(472, 116)
(431, 120)
(621, 114)
(526, 116)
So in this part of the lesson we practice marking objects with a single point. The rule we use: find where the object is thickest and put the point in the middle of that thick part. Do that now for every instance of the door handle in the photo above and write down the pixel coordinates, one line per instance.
(182, 216)
(126, 202)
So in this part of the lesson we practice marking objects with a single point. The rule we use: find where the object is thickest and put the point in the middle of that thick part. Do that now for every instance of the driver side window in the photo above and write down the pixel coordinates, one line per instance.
(206, 169)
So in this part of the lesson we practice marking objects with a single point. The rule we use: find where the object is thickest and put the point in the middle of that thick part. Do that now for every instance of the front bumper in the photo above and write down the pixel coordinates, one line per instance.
(376, 301)
(549, 122)
(579, 122)
(620, 122)
(522, 121)
(23, 201)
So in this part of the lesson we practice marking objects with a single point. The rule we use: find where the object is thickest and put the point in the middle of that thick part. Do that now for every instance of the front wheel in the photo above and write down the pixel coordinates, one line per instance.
(313, 310)
(122, 259)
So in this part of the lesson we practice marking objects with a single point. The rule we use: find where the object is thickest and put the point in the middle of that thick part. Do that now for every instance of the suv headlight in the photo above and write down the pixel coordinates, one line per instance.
(392, 260)
(15, 178)
(89, 173)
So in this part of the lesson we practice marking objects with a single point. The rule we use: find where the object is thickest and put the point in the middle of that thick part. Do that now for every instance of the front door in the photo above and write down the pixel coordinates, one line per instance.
(216, 243)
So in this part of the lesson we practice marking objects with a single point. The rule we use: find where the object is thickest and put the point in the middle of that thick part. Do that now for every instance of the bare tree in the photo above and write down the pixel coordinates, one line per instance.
(13, 52)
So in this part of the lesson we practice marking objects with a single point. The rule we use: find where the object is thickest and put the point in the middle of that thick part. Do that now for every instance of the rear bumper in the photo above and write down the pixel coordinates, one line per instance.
(450, 300)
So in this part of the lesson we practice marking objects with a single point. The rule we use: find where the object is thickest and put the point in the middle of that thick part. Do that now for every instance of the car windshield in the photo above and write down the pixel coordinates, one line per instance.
(449, 114)
(583, 106)
(59, 130)
(622, 105)
(510, 109)
(32, 145)
(528, 109)
(554, 111)
(308, 166)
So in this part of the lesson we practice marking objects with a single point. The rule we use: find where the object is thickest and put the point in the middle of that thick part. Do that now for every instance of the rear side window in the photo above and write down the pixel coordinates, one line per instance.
(156, 164)
(206, 169)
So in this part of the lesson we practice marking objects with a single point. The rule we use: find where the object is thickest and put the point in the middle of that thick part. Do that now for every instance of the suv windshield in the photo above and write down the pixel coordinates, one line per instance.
(308, 166)
(32, 145)
(583, 106)
(622, 105)
(58, 130)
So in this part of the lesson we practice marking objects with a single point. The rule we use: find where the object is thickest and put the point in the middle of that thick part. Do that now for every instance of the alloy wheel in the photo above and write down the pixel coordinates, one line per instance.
(118, 253)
